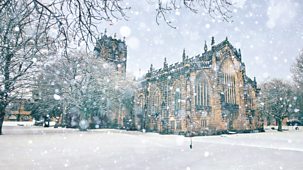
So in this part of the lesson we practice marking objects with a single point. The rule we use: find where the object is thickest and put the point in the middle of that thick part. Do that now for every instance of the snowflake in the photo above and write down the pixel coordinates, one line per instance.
(57, 97)
(125, 31)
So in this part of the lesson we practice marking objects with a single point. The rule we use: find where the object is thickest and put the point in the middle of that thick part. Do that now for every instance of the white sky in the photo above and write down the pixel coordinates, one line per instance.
(269, 34)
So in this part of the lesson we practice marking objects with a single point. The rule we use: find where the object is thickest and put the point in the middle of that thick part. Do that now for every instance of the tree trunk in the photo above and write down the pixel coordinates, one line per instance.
(261, 128)
(268, 122)
(279, 121)
(2, 113)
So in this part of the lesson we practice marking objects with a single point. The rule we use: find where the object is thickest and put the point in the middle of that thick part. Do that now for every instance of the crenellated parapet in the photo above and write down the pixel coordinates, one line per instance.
(112, 50)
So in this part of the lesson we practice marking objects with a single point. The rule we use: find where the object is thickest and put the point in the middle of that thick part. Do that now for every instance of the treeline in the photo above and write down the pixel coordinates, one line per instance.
(282, 100)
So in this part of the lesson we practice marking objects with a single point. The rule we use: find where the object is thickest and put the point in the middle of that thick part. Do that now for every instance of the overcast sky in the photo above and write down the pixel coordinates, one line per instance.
(269, 33)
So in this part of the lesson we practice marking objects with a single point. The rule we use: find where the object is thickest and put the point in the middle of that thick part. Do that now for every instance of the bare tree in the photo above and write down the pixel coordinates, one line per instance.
(21, 41)
(278, 100)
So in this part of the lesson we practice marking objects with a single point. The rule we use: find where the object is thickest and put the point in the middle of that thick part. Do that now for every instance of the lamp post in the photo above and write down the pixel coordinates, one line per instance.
(190, 131)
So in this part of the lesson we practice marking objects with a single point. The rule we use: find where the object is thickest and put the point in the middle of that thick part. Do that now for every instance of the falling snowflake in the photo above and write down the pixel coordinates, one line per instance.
(57, 97)
(125, 31)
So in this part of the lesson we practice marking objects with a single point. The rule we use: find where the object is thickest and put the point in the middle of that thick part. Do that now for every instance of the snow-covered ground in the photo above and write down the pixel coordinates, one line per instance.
(25, 147)
(23, 123)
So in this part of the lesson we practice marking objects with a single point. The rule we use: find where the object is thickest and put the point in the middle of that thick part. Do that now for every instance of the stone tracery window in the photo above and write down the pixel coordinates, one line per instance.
(177, 99)
(141, 102)
(203, 123)
(188, 94)
(188, 104)
(202, 90)
(156, 102)
(229, 82)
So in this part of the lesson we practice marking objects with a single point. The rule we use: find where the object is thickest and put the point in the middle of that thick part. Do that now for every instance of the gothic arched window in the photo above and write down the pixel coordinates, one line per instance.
(202, 90)
(155, 101)
(177, 100)
(228, 81)
(188, 104)
(141, 102)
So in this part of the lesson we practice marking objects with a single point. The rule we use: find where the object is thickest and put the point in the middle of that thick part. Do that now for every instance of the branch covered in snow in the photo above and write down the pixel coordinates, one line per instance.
(220, 9)
(297, 70)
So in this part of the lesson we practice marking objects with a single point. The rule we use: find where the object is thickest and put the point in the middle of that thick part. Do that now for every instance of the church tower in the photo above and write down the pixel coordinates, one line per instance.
(112, 50)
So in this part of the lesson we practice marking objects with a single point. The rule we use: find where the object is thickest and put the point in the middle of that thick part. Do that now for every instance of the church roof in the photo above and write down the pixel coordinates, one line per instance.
(203, 60)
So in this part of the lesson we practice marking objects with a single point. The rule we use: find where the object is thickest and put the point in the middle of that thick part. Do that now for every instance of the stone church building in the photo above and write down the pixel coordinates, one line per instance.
(206, 94)
(112, 50)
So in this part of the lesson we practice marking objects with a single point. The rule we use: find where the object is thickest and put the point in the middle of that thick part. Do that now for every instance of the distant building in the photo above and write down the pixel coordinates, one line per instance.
(19, 109)
(207, 93)
(112, 50)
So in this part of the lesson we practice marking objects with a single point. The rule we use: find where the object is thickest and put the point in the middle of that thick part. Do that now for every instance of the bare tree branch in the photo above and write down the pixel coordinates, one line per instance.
(216, 9)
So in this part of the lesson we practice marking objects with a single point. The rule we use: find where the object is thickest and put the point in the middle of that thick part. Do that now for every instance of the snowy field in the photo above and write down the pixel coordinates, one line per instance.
(26, 147)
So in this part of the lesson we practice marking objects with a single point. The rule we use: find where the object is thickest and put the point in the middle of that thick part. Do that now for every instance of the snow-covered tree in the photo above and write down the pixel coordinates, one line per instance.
(297, 70)
(22, 40)
(297, 73)
(84, 87)
(278, 100)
